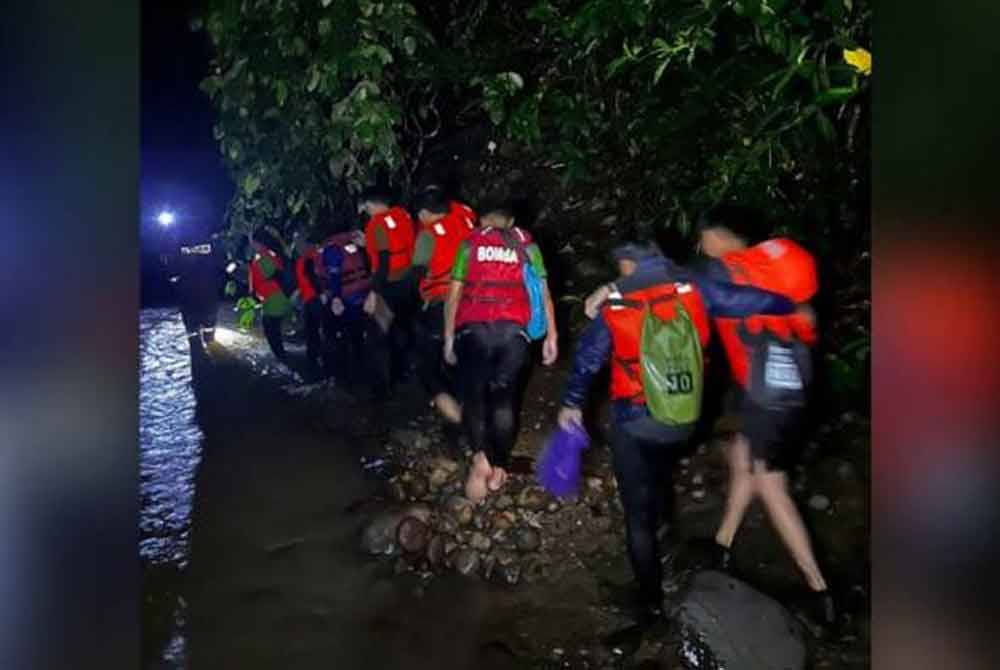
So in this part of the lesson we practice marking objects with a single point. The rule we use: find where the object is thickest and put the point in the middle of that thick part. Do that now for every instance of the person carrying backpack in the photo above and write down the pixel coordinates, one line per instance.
(651, 329)
(770, 362)
(490, 318)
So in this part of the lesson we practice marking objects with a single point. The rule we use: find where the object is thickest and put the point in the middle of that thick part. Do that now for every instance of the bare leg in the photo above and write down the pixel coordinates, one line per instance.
(741, 490)
(773, 489)
(481, 470)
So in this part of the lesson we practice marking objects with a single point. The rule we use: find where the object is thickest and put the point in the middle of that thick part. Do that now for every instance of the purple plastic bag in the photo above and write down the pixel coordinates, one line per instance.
(559, 466)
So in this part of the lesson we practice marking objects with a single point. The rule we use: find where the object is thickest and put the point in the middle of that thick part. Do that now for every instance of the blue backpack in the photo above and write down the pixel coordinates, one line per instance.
(538, 323)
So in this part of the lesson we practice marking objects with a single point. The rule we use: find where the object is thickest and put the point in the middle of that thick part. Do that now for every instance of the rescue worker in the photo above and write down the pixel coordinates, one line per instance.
(643, 449)
(266, 269)
(195, 268)
(308, 279)
(389, 238)
(442, 231)
(358, 343)
(486, 314)
(768, 439)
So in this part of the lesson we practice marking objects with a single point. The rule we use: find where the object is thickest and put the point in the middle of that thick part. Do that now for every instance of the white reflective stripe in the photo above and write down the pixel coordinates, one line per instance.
(439, 229)
(256, 257)
(615, 295)
(194, 334)
(208, 330)
(684, 288)
(389, 223)
(231, 268)
(520, 233)
(351, 248)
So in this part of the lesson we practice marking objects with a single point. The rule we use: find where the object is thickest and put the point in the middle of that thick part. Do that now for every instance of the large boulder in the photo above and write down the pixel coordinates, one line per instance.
(379, 535)
(739, 626)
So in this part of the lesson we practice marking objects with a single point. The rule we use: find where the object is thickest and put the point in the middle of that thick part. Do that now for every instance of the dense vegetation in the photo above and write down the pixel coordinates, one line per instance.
(664, 106)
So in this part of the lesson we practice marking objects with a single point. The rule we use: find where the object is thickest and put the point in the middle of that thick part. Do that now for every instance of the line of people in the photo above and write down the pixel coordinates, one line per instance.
(449, 286)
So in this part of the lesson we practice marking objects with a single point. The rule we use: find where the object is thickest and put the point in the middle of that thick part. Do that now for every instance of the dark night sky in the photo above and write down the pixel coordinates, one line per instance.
(181, 164)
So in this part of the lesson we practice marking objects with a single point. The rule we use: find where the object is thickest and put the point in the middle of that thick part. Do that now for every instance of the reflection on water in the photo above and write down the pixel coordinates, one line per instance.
(169, 451)
(169, 438)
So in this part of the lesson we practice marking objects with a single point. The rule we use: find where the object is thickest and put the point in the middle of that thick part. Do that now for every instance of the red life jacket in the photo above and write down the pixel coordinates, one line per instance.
(306, 289)
(261, 286)
(399, 229)
(463, 213)
(624, 314)
(354, 276)
(780, 266)
(494, 284)
(448, 234)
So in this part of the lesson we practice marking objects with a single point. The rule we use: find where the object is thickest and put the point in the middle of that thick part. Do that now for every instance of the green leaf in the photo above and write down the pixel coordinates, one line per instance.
(835, 96)
(660, 70)
(313, 81)
(410, 45)
(250, 184)
(826, 128)
(281, 92)
(324, 26)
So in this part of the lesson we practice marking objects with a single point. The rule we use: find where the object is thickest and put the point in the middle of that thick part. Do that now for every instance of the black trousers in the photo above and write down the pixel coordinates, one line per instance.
(359, 349)
(272, 331)
(402, 333)
(644, 452)
(490, 359)
(430, 348)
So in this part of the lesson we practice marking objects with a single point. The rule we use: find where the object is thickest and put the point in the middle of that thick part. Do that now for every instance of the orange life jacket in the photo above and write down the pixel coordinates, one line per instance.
(448, 234)
(261, 286)
(463, 213)
(399, 229)
(306, 289)
(780, 266)
(624, 314)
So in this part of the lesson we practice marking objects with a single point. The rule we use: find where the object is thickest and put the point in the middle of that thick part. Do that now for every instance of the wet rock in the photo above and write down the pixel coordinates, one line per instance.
(504, 502)
(436, 550)
(504, 521)
(553, 507)
(480, 521)
(405, 438)
(466, 562)
(422, 442)
(819, 502)
(447, 525)
(527, 539)
(507, 574)
(532, 498)
(379, 535)
(413, 535)
(460, 509)
(488, 565)
(698, 480)
(450, 545)
(438, 479)
(417, 488)
(595, 484)
(480, 542)
(740, 627)
(397, 491)
(698, 494)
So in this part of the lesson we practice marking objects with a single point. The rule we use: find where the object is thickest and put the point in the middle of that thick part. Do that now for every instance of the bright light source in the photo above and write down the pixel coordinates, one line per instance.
(165, 218)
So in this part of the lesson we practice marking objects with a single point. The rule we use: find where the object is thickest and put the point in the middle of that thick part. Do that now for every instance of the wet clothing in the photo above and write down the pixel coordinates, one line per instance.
(310, 286)
(643, 448)
(359, 349)
(430, 348)
(434, 256)
(272, 331)
(307, 279)
(265, 272)
(490, 265)
(490, 359)
(196, 269)
(346, 265)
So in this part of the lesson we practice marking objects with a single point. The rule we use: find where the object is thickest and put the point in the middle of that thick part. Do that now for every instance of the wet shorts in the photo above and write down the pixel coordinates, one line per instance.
(775, 436)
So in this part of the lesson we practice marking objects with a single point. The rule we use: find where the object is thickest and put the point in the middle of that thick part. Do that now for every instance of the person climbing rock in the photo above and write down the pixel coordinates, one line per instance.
(195, 268)
(308, 279)
(770, 363)
(266, 268)
(442, 231)
(487, 311)
(389, 239)
(358, 343)
(648, 437)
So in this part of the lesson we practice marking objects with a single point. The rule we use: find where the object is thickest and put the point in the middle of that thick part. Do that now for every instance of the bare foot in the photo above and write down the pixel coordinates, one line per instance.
(497, 479)
(476, 485)
(448, 407)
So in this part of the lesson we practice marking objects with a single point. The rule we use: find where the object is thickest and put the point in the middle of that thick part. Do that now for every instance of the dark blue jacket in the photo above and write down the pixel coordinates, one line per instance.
(722, 299)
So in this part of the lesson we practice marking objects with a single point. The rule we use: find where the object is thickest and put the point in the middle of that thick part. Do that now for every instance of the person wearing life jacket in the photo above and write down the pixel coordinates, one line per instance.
(463, 213)
(643, 448)
(356, 339)
(769, 436)
(195, 268)
(308, 279)
(266, 267)
(389, 240)
(441, 233)
(486, 314)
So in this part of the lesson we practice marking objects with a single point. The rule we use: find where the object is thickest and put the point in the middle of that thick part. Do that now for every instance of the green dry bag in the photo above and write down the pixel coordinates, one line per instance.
(671, 366)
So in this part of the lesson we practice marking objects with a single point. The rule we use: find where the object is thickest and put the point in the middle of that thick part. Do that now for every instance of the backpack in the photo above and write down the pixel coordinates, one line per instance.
(538, 321)
(671, 362)
(780, 372)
